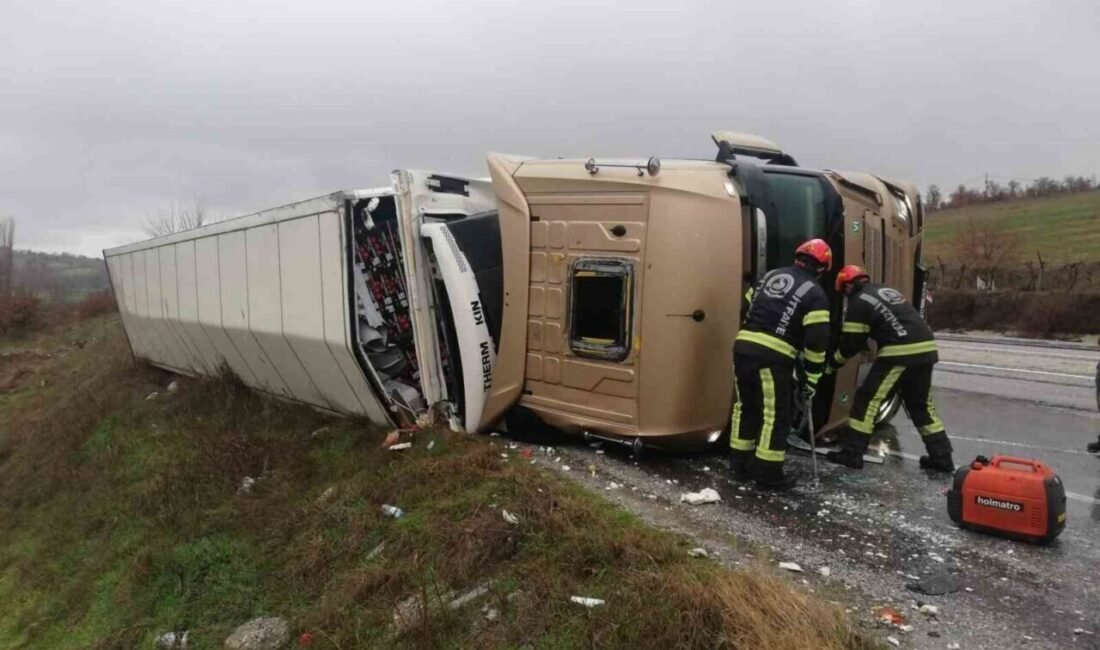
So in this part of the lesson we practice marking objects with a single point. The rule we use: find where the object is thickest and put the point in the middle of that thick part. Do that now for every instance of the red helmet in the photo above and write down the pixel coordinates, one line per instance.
(848, 275)
(817, 250)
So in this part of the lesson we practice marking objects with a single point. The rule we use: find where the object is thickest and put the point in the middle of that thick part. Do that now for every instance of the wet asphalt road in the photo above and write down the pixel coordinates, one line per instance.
(887, 526)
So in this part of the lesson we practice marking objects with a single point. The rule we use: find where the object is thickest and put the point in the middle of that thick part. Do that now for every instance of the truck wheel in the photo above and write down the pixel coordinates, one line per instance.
(1098, 386)
(888, 409)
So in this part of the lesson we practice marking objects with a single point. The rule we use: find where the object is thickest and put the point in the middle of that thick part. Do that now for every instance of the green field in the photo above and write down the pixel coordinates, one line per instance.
(1062, 228)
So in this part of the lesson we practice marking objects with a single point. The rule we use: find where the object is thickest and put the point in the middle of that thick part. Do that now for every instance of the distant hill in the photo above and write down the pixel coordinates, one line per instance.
(59, 276)
(1064, 228)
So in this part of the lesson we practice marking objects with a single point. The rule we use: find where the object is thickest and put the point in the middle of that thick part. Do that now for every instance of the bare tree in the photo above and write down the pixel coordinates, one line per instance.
(177, 217)
(934, 198)
(988, 247)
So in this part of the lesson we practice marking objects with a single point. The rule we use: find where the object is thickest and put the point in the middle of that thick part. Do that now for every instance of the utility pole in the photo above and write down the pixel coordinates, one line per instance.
(7, 245)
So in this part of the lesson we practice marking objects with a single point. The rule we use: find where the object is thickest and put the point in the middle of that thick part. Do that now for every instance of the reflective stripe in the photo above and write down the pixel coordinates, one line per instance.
(867, 424)
(764, 450)
(768, 341)
(855, 328)
(936, 425)
(812, 378)
(815, 317)
(813, 356)
(839, 358)
(748, 294)
(737, 443)
(907, 349)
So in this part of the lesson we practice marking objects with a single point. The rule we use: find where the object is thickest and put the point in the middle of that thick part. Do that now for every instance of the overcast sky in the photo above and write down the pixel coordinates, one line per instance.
(110, 109)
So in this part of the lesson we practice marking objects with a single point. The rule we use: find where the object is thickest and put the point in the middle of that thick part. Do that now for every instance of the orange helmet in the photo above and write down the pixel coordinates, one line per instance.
(818, 251)
(848, 275)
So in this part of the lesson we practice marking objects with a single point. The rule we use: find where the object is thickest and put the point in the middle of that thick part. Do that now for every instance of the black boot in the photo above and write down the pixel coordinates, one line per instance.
(939, 454)
(770, 476)
(740, 465)
(851, 450)
(1094, 447)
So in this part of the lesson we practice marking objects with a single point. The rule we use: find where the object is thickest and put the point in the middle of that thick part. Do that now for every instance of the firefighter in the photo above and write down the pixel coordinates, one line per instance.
(787, 317)
(906, 354)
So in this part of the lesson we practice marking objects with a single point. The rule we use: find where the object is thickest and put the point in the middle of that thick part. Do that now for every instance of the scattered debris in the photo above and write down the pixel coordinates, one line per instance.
(613, 486)
(706, 495)
(172, 640)
(698, 552)
(889, 615)
(152, 395)
(431, 443)
(411, 612)
(305, 639)
(392, 511)
(1080, 630)
(953, 646)
(268, 633)
(893, 641)
(936, 584)
(509, 517)
(906, 628)
(527, 453)
(327, 494)
(592, 470)
(935, 635)
(491, 613)
(376, 551)
(790, 566)
(587, 602)
(392, 438)
(173, 386)
(317, 433)
(825, 572)
(401, 446)
(565, 468)
(247, 483)
(929, 610)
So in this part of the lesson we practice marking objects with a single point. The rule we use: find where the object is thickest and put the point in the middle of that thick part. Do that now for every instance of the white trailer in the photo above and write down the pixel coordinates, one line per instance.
(376, 303)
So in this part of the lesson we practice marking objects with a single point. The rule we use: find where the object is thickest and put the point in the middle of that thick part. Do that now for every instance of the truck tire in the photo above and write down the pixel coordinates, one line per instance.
(889, 408)
(1098, 386)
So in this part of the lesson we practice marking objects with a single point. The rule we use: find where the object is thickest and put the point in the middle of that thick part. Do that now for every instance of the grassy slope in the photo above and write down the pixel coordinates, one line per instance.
(1063, 228)
(119, 519)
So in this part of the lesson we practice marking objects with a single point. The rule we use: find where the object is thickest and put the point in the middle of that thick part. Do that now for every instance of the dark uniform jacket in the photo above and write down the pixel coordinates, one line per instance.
(883, 314)
(788, 314)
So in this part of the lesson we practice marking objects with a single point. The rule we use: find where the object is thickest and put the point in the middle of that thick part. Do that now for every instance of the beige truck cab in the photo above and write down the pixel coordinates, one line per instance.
(623, 281)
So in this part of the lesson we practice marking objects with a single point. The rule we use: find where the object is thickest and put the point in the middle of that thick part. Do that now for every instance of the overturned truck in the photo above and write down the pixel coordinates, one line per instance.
(597, 297)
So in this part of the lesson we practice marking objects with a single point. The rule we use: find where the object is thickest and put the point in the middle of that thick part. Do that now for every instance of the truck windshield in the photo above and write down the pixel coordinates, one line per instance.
(800, 200)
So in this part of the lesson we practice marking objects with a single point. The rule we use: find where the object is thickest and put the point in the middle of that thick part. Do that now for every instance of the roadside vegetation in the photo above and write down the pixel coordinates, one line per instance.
(121, 518)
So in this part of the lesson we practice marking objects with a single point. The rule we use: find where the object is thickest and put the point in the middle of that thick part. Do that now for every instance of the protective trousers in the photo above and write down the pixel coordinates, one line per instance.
(914, 384)
(762, 412)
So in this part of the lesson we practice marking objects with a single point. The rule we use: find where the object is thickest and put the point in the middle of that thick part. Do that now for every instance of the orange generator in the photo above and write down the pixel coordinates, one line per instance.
(1012, 497)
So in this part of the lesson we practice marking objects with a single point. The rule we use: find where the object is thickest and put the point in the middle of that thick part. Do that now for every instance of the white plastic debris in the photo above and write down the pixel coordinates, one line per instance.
(1081, 630)
(509, 517)
(247, 483)
(172, 640)
(906, 628)
(317, 433)
(790, 566)
(401, 446)
(587, 602)
(893, 641)
(152, 395)
(698, 552)
(706, 495)
(326, 495)
(825, 572)
(392, 511)
(173, 386)
(565, 468)
(953, 646)
(613, 486)
(431, 443)
(929, 610)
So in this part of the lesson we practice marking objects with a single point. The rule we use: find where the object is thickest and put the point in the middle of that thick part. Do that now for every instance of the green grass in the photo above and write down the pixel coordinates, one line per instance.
(120, 519)
(1062, 228)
